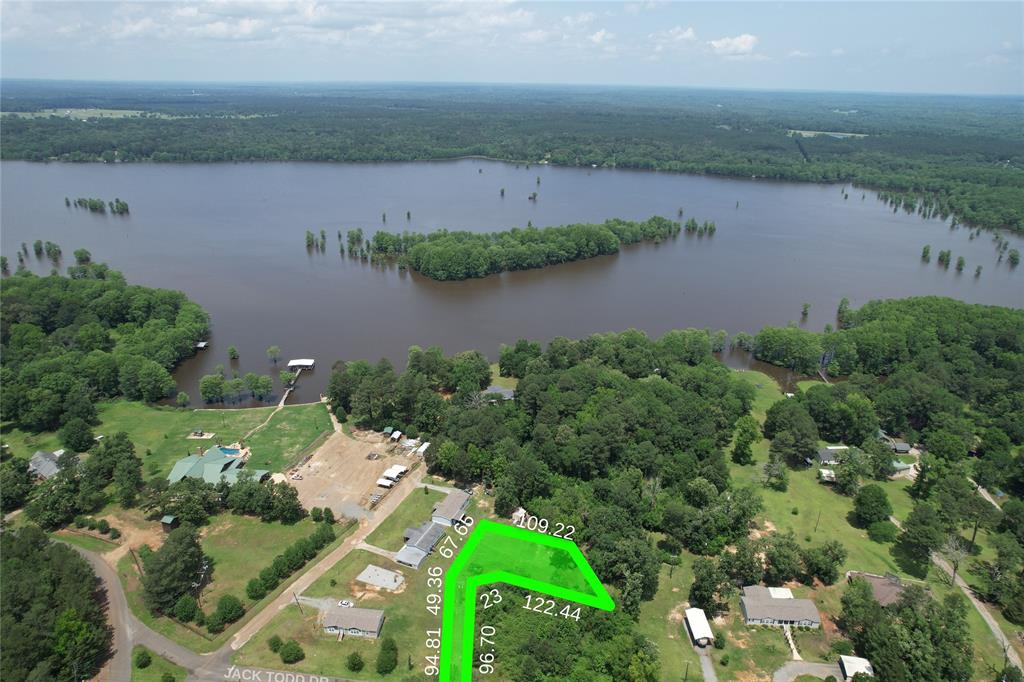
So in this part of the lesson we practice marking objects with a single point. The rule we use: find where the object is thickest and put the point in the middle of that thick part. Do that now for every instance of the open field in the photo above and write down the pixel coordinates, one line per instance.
(80, 114)
(161, 433)
(87, 542)
(661, 621)
(236, 563)
(278, 445)
(412, 512)
(156, 669)
(498, 380)
(815, 133)
(340, 476)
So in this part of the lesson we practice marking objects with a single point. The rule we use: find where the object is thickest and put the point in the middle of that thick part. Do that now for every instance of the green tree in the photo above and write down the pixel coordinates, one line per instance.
(354, 662)
(275, 643)
(923, 533)
(387, 656)
(76, 435)
(172, 569)
(185, 609)
(15, 484)
(143, 659)
(182, 399)
(211, 388)
(871, 505)
(128, 479)
(711, 587)
(274, 353)
(232, 353)
(291, 652)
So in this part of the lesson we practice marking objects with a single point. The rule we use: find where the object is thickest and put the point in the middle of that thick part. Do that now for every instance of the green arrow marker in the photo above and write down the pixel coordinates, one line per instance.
(496, 553)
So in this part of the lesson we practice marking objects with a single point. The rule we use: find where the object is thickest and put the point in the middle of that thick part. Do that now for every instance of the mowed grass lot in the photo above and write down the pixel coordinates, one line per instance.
(824, 515)
(155, 671)
(498, 380)
(751, 653)
(661, 621)
(405, 618)
(240, 547)
(413, 511)
(290, 434)
(163, 432)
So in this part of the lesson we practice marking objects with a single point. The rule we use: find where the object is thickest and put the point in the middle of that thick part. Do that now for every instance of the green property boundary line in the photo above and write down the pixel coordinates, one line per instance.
(598, 598)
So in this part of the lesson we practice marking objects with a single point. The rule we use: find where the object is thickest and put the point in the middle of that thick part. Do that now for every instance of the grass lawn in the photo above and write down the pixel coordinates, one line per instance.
(498, 380)
(661, 621)
(241, 547)
(279, 444)
(344, 574)
(822, 515)
(750, 652)
(155, 671)
(87, 542)
(413, 511)
(162, 432)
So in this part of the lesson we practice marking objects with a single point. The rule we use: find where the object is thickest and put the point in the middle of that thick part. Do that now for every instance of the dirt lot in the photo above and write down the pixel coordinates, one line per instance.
(340, 476)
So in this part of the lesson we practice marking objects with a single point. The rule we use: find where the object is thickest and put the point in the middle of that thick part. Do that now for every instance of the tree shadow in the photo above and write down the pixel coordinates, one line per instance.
(908, 562)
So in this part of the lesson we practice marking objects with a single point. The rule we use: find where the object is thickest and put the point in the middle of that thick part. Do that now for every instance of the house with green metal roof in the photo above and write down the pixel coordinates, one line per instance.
(213, 465)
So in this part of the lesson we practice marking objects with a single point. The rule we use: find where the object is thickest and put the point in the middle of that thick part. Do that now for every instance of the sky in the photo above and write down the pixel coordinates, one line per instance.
(938, 47)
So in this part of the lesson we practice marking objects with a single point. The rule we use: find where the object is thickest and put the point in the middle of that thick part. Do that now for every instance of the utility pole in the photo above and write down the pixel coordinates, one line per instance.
(686, 676)
(816, 521)
(298, 604)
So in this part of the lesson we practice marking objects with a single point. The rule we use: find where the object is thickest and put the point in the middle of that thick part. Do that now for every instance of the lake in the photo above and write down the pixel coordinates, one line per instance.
(231, 236)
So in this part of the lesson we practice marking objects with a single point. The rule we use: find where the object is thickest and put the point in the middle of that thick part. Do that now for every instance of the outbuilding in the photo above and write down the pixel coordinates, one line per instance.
(451, 509)
(851, 665)
(901, 448)
(301, 363)
(169, 523)
(700, 630)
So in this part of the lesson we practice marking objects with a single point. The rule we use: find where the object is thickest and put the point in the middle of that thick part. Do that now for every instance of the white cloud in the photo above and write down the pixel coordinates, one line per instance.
(837, 52)
(580, 20)
(535, 36)
(995, 60)
(798, 54)
(743, 44)
(600, 37)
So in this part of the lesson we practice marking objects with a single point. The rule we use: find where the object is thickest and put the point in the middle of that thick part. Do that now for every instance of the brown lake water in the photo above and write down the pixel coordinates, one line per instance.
(231, 236)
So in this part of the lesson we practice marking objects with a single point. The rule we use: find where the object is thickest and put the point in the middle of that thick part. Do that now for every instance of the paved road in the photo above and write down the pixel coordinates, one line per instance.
(980, 607)
(379, 551)
(119, 667)
(795, 669)
(707, 665)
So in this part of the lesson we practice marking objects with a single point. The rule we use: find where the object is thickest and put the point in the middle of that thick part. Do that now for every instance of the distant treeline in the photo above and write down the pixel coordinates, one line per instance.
(444, 255)
(949, 155)
(117, 206)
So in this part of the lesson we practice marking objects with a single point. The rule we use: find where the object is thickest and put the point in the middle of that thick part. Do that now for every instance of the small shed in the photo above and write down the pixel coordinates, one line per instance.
(388, 430)
(700, 630)
(301, 363)
(851, 665)
(901, 448)
(169, 523)
(395, 435)
(826, 476)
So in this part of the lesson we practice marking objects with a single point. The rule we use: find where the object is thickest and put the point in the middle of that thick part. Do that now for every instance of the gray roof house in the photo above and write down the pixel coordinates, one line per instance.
(451, 509)
(44, 464)
(830, 453)
(353, 621)
(776, 606)
(419, 542)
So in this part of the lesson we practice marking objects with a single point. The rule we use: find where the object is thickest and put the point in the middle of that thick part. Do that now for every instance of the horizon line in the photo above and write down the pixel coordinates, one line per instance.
(526, 84)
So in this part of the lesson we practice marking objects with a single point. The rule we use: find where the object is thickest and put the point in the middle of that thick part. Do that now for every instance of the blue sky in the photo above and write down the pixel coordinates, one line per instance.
(963, 47)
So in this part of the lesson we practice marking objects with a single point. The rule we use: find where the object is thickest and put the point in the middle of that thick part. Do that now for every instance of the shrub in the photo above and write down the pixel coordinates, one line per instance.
(794, 511)
(91, 523)
(725, 660)
(143, 659)
(255, 589)
(329, 517)
(830, 678)
(291, 652)
(387, 657)
(167, 677)
(81, 522)
(229, 608)
(355, 662)
(843, 647)
(103, 526)
(883, 531)
(185, 609)
(316, 514)
(275, 643)
(114, 533)
(215, 623)
(719, 640)
(333, 582)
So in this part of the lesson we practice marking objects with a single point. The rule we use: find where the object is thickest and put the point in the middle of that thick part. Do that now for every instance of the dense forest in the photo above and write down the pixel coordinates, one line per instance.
(67, 342)
(444, 255)
(52, 611)
(940, 154)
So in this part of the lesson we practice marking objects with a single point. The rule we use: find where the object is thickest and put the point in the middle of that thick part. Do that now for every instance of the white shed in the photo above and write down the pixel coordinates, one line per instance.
(301, 363)
(700, 630)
